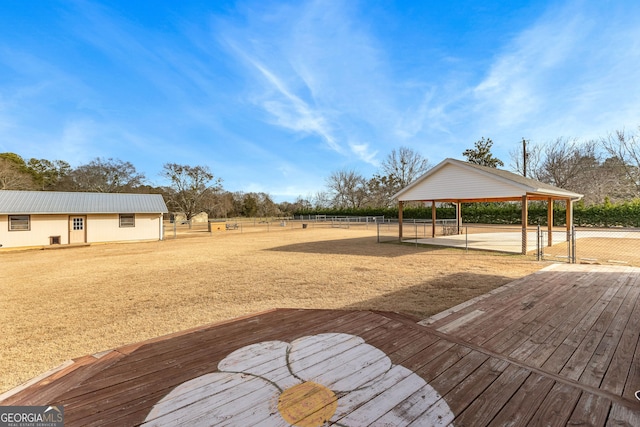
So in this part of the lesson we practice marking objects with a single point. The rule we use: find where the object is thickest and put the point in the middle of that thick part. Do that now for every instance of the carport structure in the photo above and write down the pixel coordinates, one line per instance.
(455, 181)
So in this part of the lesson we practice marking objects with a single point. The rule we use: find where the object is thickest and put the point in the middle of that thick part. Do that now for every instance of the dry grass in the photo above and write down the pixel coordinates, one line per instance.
(60, 304)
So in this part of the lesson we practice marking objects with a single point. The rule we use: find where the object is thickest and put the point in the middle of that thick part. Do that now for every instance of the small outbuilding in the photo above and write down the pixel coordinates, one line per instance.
(457, 182)
(44, 218)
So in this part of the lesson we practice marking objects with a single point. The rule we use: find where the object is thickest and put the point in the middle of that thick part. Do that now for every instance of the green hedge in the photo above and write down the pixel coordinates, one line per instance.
(625, 214)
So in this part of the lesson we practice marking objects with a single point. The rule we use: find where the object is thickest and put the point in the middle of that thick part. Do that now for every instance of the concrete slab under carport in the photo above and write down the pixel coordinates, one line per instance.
(509, 242)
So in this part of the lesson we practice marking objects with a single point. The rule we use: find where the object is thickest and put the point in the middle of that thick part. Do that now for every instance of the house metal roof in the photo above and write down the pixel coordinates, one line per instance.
(53, 202)
(453, 179)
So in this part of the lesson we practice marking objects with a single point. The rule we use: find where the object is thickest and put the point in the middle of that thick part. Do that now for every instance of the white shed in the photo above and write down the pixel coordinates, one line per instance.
(455, 181)
(43, 218)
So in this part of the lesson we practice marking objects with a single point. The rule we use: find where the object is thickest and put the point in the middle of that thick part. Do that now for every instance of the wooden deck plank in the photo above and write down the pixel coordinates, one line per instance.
(623, 416)
(591, 410)
(519, 410)
(621, 363)
(53, 385)
(504, 314)
(575, 366)
(557, 407)
(554, 353)
(468, 390)
(429, 366)
(600, 361)
(553, 327)
(451, 313)
(538, 325)
(456, 373)
(498, 309)
(502, 296)
(633, 380)
(489, 403)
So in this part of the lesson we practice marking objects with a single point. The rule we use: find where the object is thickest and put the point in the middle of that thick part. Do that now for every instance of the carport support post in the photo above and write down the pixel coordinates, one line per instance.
(400, 204)
(550, 222)
(459, 216)
(525, 220)
(433, 219)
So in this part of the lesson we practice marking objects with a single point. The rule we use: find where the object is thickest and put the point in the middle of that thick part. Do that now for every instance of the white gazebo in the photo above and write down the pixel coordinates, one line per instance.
(458, 182)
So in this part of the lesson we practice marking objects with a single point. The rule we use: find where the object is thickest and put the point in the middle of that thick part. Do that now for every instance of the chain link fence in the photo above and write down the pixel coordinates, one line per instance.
(612, 246)
(179, 229)
(580, 245)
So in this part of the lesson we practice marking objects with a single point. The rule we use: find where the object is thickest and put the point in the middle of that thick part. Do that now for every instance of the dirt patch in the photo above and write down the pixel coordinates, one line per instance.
(61, 304)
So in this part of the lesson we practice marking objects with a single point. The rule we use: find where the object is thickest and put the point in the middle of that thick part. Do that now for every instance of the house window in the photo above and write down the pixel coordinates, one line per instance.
(127, 220)
(78, 224)
(19, 223)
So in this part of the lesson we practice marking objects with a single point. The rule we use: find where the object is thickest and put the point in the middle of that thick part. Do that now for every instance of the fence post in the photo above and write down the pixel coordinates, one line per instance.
(573, 244)
(569, 245)
(538, 244)
(466, 239)
(378, 227)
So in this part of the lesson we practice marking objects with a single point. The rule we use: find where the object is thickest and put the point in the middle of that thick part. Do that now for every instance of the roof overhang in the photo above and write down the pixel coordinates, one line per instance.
(456, 181)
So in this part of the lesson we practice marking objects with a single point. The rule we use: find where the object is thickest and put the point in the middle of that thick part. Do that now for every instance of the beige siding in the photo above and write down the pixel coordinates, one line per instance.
(455, 182)
(42, 227)
(106, 228)
(99, 228)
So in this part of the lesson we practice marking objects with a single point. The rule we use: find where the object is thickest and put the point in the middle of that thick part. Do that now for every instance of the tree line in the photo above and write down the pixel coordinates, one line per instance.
(192, 189)
(605, 171)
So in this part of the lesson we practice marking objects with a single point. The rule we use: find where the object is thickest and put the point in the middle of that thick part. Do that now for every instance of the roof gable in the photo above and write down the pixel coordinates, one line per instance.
(54, 202)
(457, 180)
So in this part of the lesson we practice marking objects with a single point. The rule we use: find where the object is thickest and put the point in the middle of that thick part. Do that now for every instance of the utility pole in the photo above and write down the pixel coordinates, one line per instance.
(524, 157)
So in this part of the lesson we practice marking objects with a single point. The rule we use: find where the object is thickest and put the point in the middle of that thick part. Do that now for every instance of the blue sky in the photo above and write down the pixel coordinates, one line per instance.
(274, 96)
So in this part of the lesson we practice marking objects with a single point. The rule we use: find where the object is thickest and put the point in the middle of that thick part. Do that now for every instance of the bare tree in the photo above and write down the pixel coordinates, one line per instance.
(531, 159)
(625, 146)
(577, 166)
(348, 189)
(321, 200)
(191, 187)
(401, 167)
(564, 162)
(613, 182)
(217, 203)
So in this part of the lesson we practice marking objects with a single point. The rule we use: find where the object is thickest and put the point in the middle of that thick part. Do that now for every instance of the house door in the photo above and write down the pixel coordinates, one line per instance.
(77, 229)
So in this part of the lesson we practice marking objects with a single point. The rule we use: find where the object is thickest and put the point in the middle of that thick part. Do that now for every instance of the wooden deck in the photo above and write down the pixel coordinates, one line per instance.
(559, 347)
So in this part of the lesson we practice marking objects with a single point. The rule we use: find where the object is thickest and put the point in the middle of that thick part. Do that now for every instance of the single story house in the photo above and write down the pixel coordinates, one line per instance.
(43, 218)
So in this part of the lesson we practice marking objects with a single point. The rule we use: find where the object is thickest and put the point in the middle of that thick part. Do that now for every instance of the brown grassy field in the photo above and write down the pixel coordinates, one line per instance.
(61, 304)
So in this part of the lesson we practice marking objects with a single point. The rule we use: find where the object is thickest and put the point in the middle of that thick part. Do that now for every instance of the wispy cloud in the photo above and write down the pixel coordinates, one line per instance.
(324, 74)
(291, 112)
(571, 73)
(512, 89)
